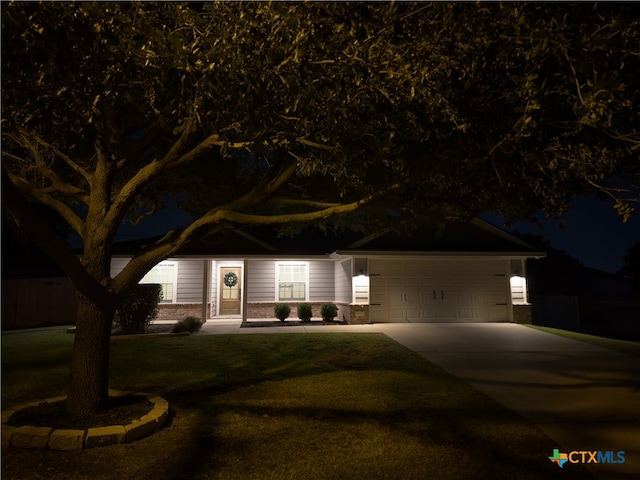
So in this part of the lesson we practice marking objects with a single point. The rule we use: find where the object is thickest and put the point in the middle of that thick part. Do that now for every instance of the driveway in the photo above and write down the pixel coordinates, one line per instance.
(584, 397)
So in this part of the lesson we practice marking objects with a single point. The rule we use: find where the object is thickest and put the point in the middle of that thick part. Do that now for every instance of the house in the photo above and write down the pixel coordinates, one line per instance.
(460, 272)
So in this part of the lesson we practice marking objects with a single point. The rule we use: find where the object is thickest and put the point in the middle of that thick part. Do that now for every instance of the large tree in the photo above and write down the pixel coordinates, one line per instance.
(273, 113)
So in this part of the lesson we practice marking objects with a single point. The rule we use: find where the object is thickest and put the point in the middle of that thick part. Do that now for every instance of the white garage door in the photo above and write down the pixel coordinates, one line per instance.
(438, 290)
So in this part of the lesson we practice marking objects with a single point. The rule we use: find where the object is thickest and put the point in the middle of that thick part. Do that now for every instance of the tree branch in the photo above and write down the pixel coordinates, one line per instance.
(56, 181)
(63, 210)
(171, 160)
(302, 202)
(51, 244)
(319, 146)
(173, 241)
(77, 168)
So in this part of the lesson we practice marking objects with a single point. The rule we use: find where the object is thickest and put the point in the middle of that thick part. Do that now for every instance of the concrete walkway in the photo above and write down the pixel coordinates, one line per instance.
(584, 397)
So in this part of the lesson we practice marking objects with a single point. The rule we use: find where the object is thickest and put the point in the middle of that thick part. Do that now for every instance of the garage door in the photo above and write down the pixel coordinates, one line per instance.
(438, 290)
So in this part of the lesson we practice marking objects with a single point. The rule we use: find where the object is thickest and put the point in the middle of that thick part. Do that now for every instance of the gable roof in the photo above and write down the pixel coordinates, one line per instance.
(476, 236)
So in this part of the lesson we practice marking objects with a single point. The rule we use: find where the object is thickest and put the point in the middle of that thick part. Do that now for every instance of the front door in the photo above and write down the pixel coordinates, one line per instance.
(230, 290)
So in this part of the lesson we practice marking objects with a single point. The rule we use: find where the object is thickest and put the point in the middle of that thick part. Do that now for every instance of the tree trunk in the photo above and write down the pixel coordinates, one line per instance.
(90, 364)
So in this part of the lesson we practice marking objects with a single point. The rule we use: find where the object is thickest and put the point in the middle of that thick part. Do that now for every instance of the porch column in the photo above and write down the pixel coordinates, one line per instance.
(244, 290)
(205, 288)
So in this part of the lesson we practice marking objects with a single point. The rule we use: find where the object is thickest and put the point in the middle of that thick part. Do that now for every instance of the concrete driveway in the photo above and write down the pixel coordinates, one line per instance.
(584, 397)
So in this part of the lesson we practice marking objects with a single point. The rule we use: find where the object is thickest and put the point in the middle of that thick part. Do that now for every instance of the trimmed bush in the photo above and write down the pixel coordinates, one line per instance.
(188, 324)
(138, 308)
(305, 312)
(328, 311)
(282, 311)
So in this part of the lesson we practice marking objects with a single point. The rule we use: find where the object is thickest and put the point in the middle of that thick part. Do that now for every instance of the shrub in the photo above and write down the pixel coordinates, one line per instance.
(282, 311)
(304, 312)
(138, 308)
(328, 311)
(188, 324)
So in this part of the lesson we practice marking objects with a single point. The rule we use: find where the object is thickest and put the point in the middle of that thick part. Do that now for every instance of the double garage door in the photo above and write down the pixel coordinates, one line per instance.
(438, 290)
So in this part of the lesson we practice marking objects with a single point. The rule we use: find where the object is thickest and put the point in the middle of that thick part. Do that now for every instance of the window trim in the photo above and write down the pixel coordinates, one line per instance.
(277, 279)
(174, 282)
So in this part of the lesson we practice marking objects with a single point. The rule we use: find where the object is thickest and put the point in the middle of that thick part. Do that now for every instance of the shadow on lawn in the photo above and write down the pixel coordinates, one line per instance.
(245, 443)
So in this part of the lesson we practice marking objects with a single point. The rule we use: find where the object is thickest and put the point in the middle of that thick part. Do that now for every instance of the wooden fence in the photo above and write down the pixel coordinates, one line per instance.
(35, 302)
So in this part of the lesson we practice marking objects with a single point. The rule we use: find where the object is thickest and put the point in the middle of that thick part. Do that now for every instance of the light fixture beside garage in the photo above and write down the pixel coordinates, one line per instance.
(518, 282)
(360, 281)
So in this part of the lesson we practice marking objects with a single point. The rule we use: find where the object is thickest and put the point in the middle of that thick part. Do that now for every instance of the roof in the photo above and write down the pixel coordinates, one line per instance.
(476, 236)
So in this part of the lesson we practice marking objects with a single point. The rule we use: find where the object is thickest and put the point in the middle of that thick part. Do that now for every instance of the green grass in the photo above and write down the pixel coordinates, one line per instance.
(282, 406)
(622, 346)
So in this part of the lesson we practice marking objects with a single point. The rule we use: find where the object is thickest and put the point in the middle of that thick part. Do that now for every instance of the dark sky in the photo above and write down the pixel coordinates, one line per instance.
(594, 233)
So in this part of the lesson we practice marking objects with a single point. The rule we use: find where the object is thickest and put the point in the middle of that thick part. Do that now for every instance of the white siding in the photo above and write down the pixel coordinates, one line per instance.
(189, 284)
(261, 283)
(342, 272)
(190, 274)
(321, 277)
(117, 265)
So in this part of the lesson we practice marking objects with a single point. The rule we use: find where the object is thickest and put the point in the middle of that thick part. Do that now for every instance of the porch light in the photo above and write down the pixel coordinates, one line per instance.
(518, 289)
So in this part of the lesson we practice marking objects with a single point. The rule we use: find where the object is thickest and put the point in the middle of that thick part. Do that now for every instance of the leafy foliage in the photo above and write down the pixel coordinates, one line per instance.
(328, 311)
(305, 312)
(139, 308)
(282, 311)
(507, 107)
(187, 324)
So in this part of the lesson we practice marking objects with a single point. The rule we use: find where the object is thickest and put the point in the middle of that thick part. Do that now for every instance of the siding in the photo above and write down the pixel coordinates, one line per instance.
(261, 283)
(321, 278)
(343, 281)
(190, 272)
(117, 265)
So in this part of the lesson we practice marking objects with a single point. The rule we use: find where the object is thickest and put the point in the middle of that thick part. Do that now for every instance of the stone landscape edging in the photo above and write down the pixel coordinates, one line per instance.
(28, 436)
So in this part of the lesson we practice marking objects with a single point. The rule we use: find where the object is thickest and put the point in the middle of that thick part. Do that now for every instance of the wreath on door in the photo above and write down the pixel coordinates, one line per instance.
(230, 279)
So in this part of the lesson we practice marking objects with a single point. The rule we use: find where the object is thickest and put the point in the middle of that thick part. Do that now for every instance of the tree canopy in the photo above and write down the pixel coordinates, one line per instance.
(503, 107)
(272, 113)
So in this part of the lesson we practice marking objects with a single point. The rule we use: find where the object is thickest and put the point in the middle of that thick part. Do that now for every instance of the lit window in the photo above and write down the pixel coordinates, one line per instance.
(292, 281)
(165, 274)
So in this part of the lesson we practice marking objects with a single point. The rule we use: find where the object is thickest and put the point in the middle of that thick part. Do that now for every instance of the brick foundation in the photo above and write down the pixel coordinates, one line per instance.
(359, 314)
(178, 311)
(522, 314)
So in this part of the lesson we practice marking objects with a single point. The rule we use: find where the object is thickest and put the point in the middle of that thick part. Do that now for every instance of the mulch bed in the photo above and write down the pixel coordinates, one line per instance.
(118, 411)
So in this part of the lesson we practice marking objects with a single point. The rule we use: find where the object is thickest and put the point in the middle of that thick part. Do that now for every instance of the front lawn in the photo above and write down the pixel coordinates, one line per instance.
(622, 346)
(282, 406)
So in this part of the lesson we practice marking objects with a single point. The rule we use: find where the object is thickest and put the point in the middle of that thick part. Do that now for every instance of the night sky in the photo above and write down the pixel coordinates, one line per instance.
(593, 234)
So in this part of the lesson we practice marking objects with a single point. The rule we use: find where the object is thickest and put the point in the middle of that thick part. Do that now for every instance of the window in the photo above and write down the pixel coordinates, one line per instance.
(292, 281)
(165, 273)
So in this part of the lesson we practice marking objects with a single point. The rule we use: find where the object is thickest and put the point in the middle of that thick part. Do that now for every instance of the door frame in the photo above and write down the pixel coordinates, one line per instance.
(226, 264)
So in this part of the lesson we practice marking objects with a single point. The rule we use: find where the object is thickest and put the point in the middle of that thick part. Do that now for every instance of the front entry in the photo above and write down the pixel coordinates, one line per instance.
(230, 290)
